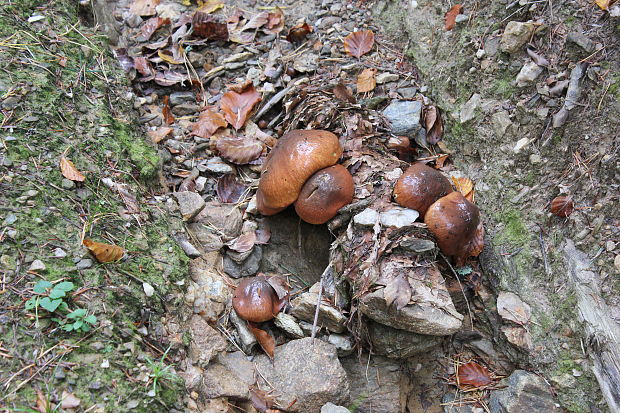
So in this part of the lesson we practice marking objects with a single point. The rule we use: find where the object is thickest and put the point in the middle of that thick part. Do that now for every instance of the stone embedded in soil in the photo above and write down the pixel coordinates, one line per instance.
(386, 77)
(185, 109)
(225, 218)
(186, 245)
(208, 293)
(395, 343)
(209, 240)
(510, 307)
(366, 218)
(452, 405)
(525, 392)
(500, 121)
(515, 35)
(304, 306)
(417, 245)
(582, 41)
(190, 204)
(518, 336)
(397, 217)
(228, 375)
(288, 324)
(528, 74)
(178, 98)
(332, 408)
(468, 110)
(248, 267)
(37, 265)
(404, 116)
(375, 384)
(343, 343)
(206, 341)
(245, 337)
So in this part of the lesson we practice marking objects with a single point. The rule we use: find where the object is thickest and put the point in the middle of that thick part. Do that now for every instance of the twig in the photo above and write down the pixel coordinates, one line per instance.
(471, 317)
(318, 303)
(272, 102)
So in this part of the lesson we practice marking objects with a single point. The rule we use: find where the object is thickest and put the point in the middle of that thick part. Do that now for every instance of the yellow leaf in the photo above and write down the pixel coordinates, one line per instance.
(366, 80)
(210, 6)
(104, 252)
(466, 187)
(69, 170)
(604, 4)
(169, 58)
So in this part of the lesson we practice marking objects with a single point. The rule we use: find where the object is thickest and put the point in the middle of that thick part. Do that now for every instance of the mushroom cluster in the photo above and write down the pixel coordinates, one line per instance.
(454, 220)
(302, 169)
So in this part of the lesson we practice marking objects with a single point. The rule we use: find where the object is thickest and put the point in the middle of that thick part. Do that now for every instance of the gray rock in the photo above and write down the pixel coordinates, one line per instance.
(209, 293)
(288, 324)
(510, 307)
(307, 62)
(515, 35)
(386, 77)
(468, 111)
(344, 344)
(397, 217)
(528, 74)
(208, 239)
(184, 109)
(248, 267)
(186, 245)
(178, 98)
(525, 392)
(500, 121)
(246, 338)
(404, 117)
(226, 219)
(37, 265)
(366, 218)
(206, 341)
(417, 245)
(190, 204)
(330, 317)
(407, 92)
(67, 183)
(400, 344)
(582, 41)
(218, 165)
(332, 408)
(229, 375)
(84, 264)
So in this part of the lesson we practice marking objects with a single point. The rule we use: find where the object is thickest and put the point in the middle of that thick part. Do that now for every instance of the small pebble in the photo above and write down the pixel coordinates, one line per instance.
(148, 289)
(610, 245)
(59, 253)
(84, 264)
(37, 265)
(67, 184)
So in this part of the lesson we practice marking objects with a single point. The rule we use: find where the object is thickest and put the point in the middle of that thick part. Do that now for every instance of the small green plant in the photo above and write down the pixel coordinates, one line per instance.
(49, 297)
(160, 371)
(79, 320)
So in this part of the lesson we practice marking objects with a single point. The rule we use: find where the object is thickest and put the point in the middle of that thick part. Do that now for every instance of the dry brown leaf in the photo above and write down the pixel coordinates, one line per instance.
(297, 34)
(562, 206)
(267, 343)
(359, 43)
(240, 149)
(208, 26)
(398, 292)
(150, 26)
(210, 6)
(159, 134)
(263, 236)
(229, 190)
(243, 242)
(104, 252)
(253, 131)
(237, 106)
(473, 374)
(441, 160)
(69, 170)
(169, 78)
(261, 400)
(366, 80)
(144, 7)
(144, 67)
(166, 112)
(465, 186)
(450, 17)
(341, 92)
(433, 124)
(208, 122)
(275, 21)
(69, 401)
(43, 404)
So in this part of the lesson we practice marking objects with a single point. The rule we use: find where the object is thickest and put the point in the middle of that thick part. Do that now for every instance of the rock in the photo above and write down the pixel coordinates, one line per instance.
(190, 204)
(186, 245)
(225, 219)
(344, 344)
(37, 265)
(304, 306)
(84, 264)
(148, 289)
(617, 263)
(518, 336)
(178, 98)
(288, 324)
(525, 392)
(246, 338)
(67, 183)
(386, 77)
(332, 408)
(306, 370)
(400, 344)
(468, 111)
(208, 239)
(218, 165)
(400, 218)
(307, 62)
(366, 218)
(500, 121)
(417, 245)
(515, 35)
(206, 341)
(170, 11)
(510, 307)
(432, 313)
(185, 109)
(528, 74)
(404, 117)
(246, 268)
(375, 383)
(582, 41)
(521, 143)
(209, 293)
(407, 92)
(452, 405)
(229, 375)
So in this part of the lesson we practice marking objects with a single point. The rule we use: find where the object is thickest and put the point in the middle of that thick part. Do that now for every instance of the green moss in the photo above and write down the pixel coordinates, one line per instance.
(515, 232)
(143, 155)
(503, 87)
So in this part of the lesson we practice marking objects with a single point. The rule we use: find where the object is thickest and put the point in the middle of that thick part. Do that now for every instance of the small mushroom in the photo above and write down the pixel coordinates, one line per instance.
(455, 222)
(324, 194)
(297, 155)
(420, 186)
(256, 300)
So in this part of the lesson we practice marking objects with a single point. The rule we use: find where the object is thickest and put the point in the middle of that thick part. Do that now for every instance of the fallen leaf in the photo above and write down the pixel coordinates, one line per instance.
(144, 7)
(263, 236)
(465, 186)
(210, 6)
(562, 206)
(298, 33)
(473, 374)
(144, 67)
(280, 285)
(124, 59)
(131, 202)
(150, 26)
(252, 130)
(237, 106)
(441, 160)
(169, 78)
(240, 149)
(169, 57)
(69, 170)
(450, 17)
(536, 58)
(159, 134)
(104, 252)
(243, 242)
(166, 112)
(207, 26)
(229, 190)
(398, 292)
(43, 404)
(604, 4)
(208, 122)
(433, 124)
(261, 400)
(267, 343)
(257, 21)
(366, 80)
(275, 21)
(69, 401)
(341, 92)
(359, 43)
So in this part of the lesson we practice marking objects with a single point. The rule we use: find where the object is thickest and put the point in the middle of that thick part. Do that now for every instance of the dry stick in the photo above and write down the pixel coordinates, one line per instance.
(471, 317)
(318, 303)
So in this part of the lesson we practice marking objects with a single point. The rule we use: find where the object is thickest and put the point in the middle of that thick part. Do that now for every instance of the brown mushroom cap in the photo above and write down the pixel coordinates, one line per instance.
(420, 186)
(297, 155)
(324, 194)
(255, 300)
(455, 222)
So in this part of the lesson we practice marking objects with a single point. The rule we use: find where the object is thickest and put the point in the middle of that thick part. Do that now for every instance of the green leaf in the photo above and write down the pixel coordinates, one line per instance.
(56, 294)
(78, 324)
(85, 327)
(79, 313)
(91, 319)
(464, 270)
(30, 304)
(64, 306)
(41, 287)
(65, 286)
(67, 327)
(49, 305)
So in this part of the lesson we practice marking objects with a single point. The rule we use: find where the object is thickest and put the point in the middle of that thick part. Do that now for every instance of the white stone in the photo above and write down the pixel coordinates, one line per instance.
(521, 143)
(366, 218)
(37, 265)
(468, 111)
(398, 217)
(386, 77)
(148, 289)
(528, 74)
(480, 53)
(219, 166)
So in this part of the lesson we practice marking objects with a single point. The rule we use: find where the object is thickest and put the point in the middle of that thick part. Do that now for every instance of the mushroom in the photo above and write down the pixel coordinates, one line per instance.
(324, 194)
(255, 300)
(420, 186)
(297, 155)
(456, 224)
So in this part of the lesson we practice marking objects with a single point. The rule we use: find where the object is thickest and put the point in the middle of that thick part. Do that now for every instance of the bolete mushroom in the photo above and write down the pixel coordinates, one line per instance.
(455, 222)
(324, 194)
(256, 300)
(420, 186)
(297, 155)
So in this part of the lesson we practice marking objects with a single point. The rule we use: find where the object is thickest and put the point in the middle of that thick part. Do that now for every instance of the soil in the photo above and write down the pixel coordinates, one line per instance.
(64, 93)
